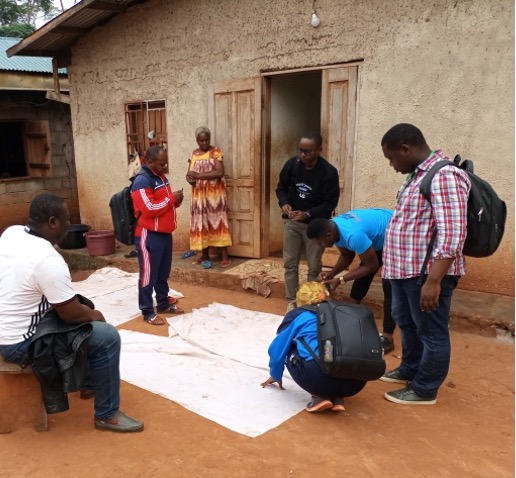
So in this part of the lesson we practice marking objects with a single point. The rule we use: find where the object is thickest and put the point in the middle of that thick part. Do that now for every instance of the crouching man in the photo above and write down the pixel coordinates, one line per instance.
(35, 278)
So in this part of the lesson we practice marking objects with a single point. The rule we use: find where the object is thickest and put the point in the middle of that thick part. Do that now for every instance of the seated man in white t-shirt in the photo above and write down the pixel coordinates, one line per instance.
(33, 278)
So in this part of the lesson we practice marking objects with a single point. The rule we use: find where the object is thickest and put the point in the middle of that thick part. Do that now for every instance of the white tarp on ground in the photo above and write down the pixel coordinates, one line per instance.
(115, 293)
(212, 363)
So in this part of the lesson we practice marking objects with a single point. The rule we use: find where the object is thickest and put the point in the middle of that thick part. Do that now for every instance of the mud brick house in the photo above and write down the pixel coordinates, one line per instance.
(36, 143)
(259, 74)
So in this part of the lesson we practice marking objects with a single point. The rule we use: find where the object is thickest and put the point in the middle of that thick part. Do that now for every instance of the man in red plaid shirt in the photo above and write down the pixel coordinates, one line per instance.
(421, 308)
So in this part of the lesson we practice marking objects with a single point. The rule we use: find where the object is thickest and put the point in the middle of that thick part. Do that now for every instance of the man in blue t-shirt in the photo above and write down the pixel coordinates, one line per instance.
(362, 232)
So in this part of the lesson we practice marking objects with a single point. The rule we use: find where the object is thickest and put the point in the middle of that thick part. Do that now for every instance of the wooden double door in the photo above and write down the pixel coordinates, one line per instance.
(239, 117)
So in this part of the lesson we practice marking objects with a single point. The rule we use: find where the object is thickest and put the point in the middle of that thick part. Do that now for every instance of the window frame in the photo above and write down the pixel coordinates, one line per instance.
(145, 126)
(37, 153)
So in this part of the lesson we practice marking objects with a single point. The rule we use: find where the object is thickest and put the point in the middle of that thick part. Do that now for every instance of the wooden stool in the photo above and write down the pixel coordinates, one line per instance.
(20, 398)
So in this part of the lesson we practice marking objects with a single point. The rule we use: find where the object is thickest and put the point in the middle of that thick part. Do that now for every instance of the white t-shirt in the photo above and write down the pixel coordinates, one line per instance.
(33, 275)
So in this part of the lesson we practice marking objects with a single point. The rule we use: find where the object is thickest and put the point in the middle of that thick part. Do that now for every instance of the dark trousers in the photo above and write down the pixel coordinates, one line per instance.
(360, 288)
(425, 337)
(103, 365)
(155, 260)
(310, 377)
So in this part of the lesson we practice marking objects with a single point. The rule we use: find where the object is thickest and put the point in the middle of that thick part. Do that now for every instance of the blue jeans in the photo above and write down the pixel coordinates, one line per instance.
(294, 240)
(425, 337)
(16, 353)
(103, 363)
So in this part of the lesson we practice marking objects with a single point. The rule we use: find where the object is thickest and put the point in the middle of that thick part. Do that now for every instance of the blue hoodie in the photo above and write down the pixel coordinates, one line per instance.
(298, 323)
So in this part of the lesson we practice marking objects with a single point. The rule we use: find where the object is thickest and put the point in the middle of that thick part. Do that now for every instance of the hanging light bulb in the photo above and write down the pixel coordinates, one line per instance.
(315, 21)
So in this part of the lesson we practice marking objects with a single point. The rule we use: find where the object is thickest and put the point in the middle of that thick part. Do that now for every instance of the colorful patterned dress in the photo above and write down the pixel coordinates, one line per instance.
(209, 207)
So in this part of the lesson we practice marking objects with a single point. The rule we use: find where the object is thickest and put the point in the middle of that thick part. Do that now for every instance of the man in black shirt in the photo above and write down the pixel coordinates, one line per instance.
(308, 187)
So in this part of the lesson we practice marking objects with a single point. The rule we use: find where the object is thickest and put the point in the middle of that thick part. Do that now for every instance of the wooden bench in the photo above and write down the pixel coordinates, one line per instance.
(20, 398)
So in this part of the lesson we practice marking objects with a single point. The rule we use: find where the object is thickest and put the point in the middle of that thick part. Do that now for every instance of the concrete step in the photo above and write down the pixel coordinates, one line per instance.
(475, 312)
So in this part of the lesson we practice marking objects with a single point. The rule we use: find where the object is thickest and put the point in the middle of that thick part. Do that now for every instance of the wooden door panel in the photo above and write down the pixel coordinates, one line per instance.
(235, 120)
(338, 126)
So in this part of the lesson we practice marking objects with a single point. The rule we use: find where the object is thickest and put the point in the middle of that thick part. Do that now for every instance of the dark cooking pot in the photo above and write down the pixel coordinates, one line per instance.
(75, 238)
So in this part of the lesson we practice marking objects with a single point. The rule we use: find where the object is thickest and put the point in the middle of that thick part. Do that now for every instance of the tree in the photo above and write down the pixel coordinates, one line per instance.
(18, 17)
(18, 30)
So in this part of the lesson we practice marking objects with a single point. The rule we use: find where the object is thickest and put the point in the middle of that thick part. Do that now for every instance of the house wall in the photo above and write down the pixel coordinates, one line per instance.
(16, 194)
(446, 66)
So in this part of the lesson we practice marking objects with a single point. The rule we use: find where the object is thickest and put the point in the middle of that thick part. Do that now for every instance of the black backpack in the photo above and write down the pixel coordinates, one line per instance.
(348, 339)
(486, 211)
(122, 212)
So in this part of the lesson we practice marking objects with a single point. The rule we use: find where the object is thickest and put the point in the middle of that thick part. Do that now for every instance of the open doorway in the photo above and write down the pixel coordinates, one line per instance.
(24, 149)
(295, 107)
(258, 122)
(12, 155)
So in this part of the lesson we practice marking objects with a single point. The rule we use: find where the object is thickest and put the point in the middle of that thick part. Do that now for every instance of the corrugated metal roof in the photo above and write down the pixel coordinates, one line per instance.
(33, 64)
(56, 37)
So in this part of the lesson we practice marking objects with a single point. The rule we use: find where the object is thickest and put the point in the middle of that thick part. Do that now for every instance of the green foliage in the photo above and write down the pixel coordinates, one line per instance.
(17, 30)
(9, 12)
(19, 12)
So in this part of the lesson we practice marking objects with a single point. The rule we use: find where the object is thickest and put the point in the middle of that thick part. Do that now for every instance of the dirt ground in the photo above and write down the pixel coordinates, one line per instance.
(468, 433)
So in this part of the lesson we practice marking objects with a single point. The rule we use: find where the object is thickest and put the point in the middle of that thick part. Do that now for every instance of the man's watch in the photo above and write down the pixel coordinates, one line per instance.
(308, 214)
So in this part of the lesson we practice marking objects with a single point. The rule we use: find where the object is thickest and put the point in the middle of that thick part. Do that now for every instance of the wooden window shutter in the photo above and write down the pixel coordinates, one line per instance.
(36, 138)
(135, 129)
(145, 126)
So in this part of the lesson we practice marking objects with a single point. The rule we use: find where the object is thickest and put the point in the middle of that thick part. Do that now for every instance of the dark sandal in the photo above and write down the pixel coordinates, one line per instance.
(171, 309)
(154, 319)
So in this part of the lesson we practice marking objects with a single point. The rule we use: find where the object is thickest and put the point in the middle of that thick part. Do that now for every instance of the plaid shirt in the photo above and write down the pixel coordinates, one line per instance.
(414, 220)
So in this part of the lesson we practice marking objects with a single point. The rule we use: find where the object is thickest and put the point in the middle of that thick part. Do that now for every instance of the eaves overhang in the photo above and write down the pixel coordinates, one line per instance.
(55, 38)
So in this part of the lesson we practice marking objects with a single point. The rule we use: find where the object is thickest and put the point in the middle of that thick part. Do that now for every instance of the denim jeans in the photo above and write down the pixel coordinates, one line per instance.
(425, 337)
(294, 240)
(16, 353)
(103, 363)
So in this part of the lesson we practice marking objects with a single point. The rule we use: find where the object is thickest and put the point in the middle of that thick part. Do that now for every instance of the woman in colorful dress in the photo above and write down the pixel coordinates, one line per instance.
(209, 207)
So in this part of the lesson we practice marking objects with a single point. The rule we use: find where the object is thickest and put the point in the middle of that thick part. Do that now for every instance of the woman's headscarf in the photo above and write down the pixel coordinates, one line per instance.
(311, 293)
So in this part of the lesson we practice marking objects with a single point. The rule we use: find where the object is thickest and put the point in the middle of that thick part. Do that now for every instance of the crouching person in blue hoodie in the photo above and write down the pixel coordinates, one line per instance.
(286, 349)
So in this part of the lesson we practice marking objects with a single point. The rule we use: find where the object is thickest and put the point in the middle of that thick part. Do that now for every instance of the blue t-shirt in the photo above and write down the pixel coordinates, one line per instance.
(360, 229)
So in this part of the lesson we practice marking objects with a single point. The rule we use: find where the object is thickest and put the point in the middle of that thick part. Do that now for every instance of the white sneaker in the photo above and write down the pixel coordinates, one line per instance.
(291, 305)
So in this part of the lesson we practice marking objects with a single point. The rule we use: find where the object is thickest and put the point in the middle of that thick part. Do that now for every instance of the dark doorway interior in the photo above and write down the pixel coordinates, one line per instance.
(12, 156)
(295, 108)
